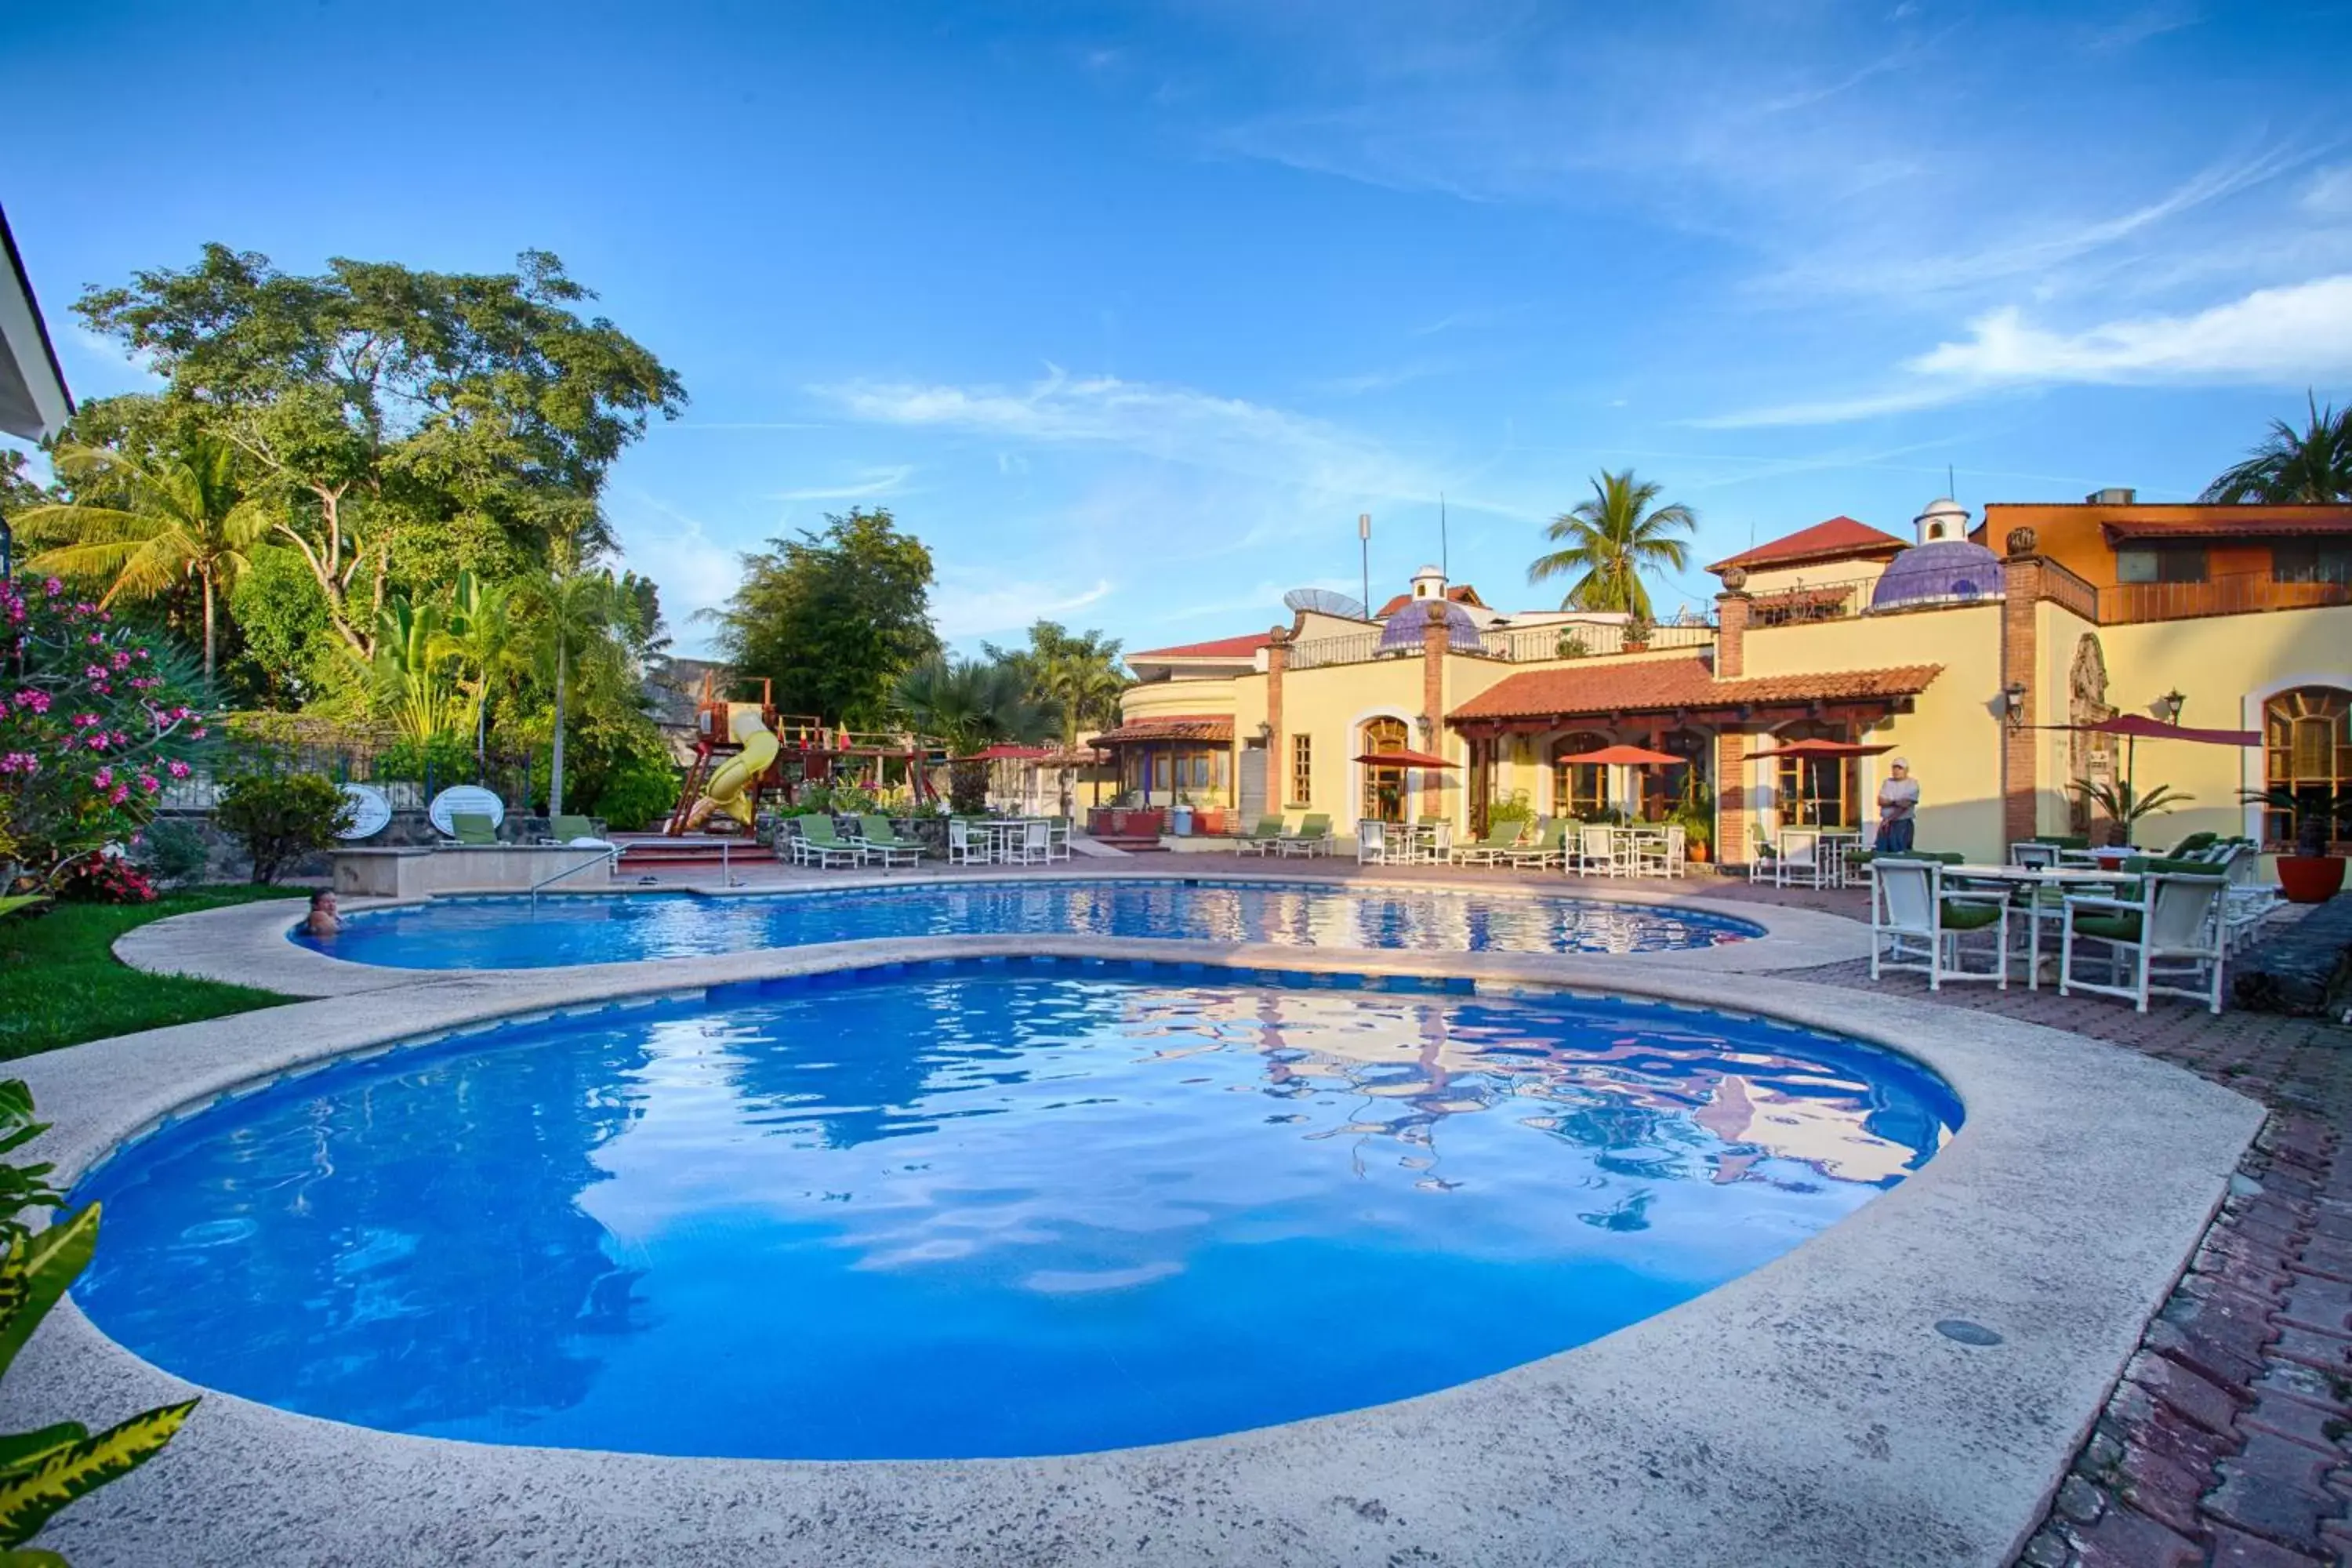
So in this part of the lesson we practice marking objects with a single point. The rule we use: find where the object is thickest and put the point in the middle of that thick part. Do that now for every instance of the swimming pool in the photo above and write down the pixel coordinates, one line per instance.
(979, 1209)
(514, 933)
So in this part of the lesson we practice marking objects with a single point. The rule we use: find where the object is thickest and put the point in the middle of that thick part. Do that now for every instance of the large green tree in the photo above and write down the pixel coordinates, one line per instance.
(2291, 467)
(449, 420)
(1077, 676)
(834, 618)
(144, 525)
(1607, 542)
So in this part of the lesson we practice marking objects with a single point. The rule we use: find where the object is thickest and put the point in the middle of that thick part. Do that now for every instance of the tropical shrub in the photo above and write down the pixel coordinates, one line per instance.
(171, 851)
(43, 1471)
(92, 720)
(2125, 805)
(639, 790)
(106, 880)
(281, 816)
(1513, 807)
(439, 759)
(2311, 813)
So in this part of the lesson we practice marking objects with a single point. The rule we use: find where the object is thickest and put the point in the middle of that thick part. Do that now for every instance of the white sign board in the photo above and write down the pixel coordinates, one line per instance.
(370, 811)
(465, 800)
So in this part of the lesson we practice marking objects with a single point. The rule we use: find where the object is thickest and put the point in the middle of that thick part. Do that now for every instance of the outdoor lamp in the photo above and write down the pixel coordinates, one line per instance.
(2013, 703)
(2172, 702)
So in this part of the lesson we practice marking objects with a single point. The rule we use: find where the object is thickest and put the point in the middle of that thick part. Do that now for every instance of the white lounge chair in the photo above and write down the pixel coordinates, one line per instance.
(2175, 923)
(1372, 842)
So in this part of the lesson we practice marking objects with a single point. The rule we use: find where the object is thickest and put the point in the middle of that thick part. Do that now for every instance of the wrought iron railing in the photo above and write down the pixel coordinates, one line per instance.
(1355, 647)
(1578, 639)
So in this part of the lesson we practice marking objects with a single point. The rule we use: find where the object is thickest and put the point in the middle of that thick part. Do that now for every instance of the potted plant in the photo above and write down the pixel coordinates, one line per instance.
(2125, 806)
(1637, 633)
(2311, 875)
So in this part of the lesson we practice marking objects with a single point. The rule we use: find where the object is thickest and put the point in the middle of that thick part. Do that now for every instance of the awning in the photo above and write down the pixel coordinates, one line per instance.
(2140, 727)
(1402, 760)
(2250, 524)
(1203, 728)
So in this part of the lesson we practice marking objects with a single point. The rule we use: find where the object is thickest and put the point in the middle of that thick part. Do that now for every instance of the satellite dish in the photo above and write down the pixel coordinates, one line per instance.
(1325, 601)
(370, 812)
(464, 800)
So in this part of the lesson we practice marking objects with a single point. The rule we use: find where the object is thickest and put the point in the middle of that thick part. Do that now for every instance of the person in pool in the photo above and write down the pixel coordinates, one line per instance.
(323, 920)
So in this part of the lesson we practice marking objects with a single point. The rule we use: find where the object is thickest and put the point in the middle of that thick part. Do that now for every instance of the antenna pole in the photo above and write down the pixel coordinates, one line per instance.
(1445, 560)
(1364, 539)
(1951, 484)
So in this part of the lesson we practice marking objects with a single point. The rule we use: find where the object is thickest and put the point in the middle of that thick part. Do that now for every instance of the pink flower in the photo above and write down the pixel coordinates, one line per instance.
(121, 792)
(84, 720)
(176, 768)
(120, 660)
(197, 734)
(102, 779)
(149, 783)
(54, 587)
(98, 742)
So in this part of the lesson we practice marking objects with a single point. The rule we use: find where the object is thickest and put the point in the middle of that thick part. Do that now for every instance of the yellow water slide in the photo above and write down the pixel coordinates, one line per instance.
(735, 786)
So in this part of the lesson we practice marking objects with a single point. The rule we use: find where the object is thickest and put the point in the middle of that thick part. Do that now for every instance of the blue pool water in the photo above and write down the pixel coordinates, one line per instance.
(980, 1209)
(513, 933)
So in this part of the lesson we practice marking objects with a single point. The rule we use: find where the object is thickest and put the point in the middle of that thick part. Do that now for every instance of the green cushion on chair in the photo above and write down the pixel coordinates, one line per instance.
(1861, 856)
(1948, 856)
(1969, 917)
(2114, 928)
(2193, 843)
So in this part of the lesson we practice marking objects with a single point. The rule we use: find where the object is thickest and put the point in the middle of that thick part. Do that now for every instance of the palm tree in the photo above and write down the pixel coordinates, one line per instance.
(1081, 679)
(578, 642)
(2312, 465)
(480, 636)
(1611, 539)
(972, 704)
(2125, 805)
(181, 518)
(408, 672)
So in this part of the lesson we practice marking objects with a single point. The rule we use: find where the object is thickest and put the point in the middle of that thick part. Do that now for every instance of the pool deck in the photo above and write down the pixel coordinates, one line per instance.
(1807, 1413)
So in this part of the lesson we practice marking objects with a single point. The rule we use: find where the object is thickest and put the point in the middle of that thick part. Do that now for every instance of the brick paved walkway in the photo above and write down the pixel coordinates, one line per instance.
(2225, 1444)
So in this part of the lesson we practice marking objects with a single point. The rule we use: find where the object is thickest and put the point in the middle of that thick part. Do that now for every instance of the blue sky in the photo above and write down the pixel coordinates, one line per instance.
(1129, 311)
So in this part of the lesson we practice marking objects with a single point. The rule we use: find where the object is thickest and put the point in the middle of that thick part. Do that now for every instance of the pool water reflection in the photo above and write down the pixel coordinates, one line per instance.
(984, 1209)
(514, 933)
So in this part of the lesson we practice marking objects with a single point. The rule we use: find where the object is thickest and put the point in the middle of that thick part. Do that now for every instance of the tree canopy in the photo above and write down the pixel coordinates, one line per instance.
(1607, 542)
(834, 618)
(2293, 466)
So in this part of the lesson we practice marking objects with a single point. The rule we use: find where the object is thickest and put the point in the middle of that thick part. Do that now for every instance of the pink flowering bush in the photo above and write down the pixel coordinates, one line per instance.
(93, 723)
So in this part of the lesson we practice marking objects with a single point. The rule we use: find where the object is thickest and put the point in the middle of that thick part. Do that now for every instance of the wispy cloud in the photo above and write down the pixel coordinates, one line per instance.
(2284, 337)
(697, 574)
(966, 606)
(868, 485)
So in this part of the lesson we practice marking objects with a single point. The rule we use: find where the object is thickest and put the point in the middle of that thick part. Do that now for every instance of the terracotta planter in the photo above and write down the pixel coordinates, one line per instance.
(1697, 855)
(2310, 879)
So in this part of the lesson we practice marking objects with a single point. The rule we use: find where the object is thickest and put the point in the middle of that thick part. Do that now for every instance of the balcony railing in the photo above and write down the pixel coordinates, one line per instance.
(2235, 594)
(1575, 639)
(1803, 603)
(1356, 648)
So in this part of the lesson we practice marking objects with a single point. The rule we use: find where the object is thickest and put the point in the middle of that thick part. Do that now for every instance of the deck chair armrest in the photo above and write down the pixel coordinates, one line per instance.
(2098, 901)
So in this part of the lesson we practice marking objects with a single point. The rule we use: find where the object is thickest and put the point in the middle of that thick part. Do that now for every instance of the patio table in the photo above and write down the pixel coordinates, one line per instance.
(2022, 883)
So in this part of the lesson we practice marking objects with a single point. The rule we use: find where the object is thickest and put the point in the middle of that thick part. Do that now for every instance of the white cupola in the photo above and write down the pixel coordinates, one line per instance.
(1943, 520)
(1429, 582)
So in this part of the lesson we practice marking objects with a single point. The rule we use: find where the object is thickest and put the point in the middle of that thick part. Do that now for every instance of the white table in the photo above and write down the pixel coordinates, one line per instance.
(2030, 880)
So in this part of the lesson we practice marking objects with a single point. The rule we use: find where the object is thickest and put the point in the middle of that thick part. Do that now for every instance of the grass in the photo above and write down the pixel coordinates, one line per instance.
(60, 982)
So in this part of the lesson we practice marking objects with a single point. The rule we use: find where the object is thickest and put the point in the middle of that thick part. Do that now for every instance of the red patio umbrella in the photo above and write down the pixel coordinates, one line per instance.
(1623, 757)
(1825, 749)
(2134, 727)
(1403, 760)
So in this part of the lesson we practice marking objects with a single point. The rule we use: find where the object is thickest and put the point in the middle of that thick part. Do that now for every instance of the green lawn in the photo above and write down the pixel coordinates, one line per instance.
(60, 982)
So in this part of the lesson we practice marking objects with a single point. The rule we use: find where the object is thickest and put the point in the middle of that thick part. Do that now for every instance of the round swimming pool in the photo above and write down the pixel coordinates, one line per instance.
(516, 933)
(979, 1209)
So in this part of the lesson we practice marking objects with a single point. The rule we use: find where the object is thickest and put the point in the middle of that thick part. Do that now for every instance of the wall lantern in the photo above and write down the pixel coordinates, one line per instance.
(2172, 702)
(2012, 699)
(1264, 731)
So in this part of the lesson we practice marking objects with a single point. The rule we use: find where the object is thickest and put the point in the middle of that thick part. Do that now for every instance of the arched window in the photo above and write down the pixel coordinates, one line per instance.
(2307, 748)
(1579, 790)
(1383, 788)
(1818, 792)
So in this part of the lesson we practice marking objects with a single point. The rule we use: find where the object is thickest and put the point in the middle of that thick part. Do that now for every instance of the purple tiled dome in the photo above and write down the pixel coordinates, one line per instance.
(1402, 633)
(1938, 573)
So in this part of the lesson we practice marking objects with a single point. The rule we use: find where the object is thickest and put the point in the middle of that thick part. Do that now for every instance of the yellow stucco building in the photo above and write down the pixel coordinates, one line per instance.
(1965, 649)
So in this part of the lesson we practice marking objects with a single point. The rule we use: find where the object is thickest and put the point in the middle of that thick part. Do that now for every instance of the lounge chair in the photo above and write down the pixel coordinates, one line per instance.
(1909, 908)
(473, 831)
(1550, 848)
(1486, 851)
(1372, 842)
(1261, 839)
(817, 845)
(1314, 836)
(2176, 921)
(880, 838)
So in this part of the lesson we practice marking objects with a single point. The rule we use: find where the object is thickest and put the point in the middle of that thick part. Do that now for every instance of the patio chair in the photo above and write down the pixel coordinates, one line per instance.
(566, 828)
(2246, 900)
(1909, 908)
(2033, 853)
(2196, 842)
(1261, 839)
(1441, 843)
(1313, 838)
(1764, 866)
(1550, 847)
(1486, 851)
(1372, 842)
(965, 848)
(2175, 921)
(1659, 854)
(1057, 838)
(882, 839)
(818, 845)
(1034, 843)
(1596, 850)
(472, 831)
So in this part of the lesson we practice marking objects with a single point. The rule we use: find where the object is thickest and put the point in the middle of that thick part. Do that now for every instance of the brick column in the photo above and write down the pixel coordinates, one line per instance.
(2019, 746)
(1434, 635)
(1277, 764)
(1731, 745)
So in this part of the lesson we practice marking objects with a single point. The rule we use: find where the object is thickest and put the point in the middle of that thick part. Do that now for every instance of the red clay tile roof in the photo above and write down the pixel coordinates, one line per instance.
(1840, 538)
(1463, 595)
(1242, 646)
(1651, 686)
(1174, 727)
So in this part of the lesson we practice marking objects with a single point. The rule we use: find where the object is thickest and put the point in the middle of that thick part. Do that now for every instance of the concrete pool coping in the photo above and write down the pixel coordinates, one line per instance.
(246, 943)
(1807, 1413)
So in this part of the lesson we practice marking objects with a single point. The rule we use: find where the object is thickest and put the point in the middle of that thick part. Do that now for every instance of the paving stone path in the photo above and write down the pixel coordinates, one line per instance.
(2226, 1442)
